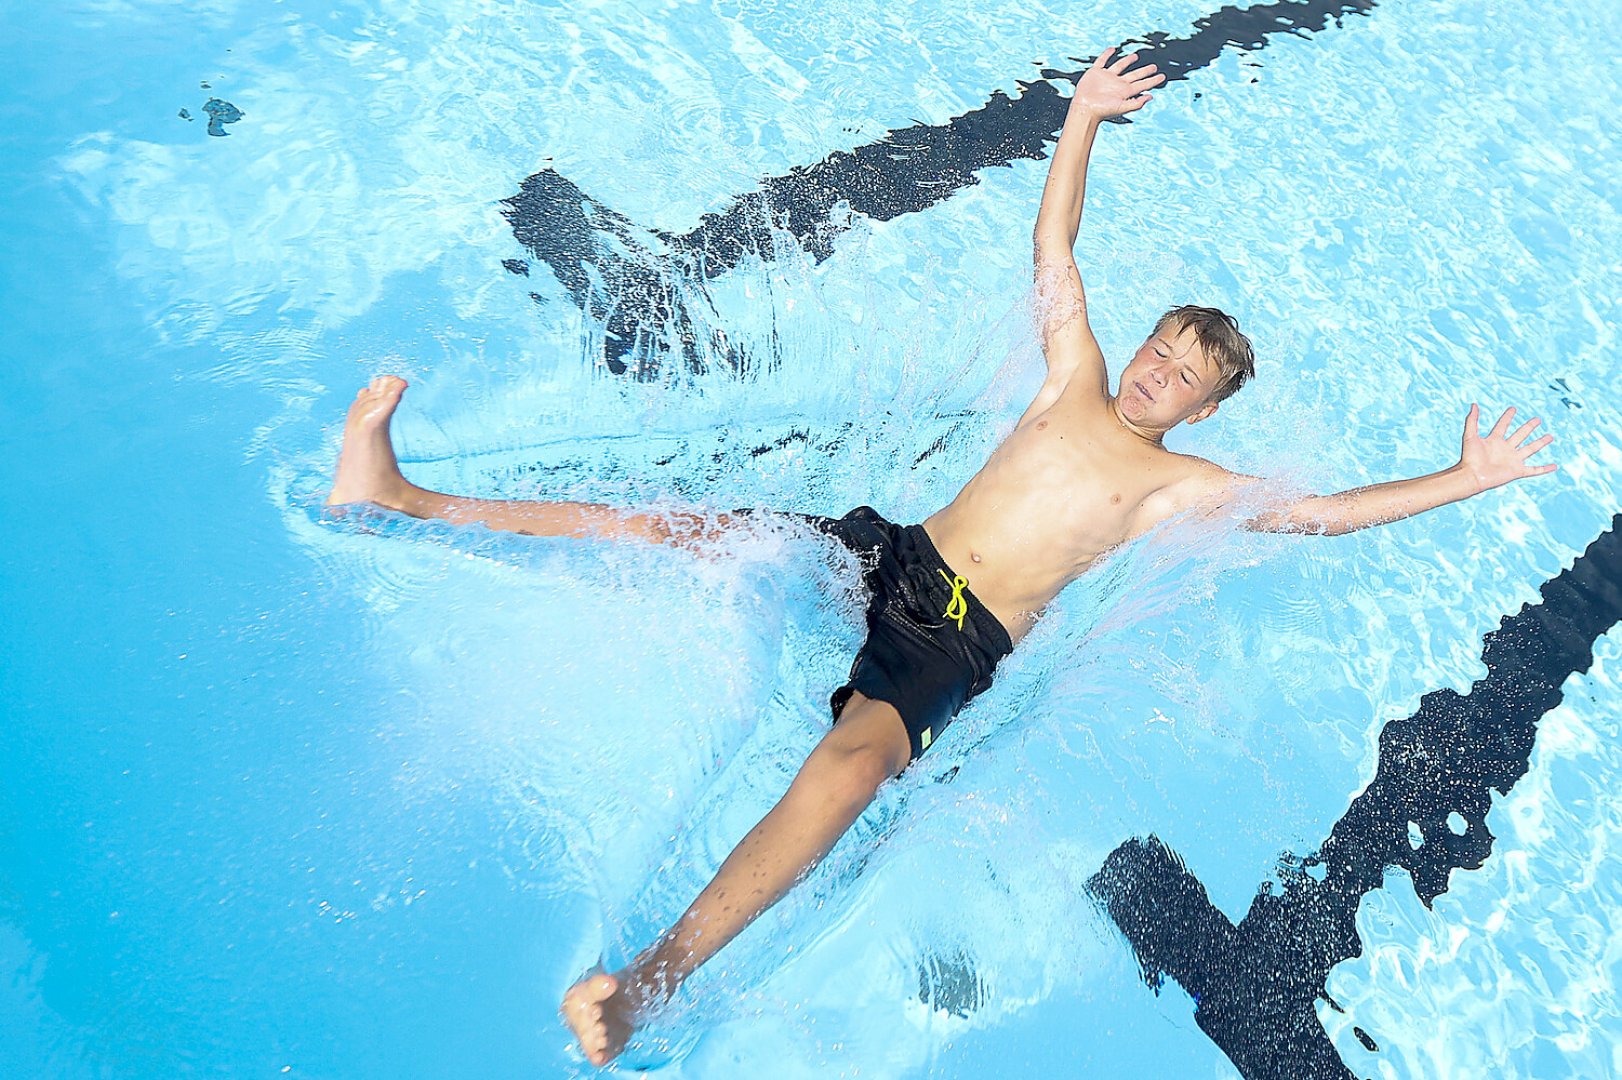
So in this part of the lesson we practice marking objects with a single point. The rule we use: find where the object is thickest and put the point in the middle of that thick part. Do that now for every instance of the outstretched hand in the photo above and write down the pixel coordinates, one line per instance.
(1109, 89)
(1500, 456)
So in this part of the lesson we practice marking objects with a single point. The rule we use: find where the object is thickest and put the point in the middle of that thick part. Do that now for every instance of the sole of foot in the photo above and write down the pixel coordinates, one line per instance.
(594, 1008)
(367, 469)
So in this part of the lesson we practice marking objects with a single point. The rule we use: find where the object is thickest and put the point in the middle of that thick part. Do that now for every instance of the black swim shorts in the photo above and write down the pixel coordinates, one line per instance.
(931, 646)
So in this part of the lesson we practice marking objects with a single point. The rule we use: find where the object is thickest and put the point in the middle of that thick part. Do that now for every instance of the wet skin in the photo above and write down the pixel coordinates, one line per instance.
(1083, 472)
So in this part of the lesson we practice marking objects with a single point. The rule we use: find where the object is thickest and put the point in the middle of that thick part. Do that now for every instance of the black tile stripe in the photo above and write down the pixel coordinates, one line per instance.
(1255, 983)
(611, 271)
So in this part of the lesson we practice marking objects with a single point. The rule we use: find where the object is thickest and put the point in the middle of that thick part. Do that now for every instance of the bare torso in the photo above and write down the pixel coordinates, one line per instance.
(1068, 484)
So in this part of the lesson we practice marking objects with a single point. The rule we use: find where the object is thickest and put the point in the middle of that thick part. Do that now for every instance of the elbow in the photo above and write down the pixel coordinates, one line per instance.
(1321, 517)
(1317, 526)
(1039, 251)
(1300, 525)
(1049, 244)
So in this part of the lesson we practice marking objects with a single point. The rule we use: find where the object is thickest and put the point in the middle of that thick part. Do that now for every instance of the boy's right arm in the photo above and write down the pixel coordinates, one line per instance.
(1107, 89)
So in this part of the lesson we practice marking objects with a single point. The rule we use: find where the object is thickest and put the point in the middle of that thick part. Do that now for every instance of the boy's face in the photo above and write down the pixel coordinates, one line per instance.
(1169, 380)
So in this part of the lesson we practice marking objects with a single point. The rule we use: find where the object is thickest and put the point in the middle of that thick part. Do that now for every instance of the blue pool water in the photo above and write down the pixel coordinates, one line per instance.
(282, 795)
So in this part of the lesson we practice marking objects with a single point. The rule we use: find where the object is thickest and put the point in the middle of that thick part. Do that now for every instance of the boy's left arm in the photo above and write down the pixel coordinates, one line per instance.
(1485, 462)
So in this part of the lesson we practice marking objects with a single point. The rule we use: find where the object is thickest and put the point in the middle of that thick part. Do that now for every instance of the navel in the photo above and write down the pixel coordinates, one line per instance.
(975, 556)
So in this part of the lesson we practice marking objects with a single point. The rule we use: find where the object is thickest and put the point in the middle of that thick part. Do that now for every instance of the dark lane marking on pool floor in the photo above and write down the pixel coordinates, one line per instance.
(636, 294)
(220, 113)
(1255, 984)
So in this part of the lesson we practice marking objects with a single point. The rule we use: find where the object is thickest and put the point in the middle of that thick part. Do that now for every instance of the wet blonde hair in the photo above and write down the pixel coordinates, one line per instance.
(1220, 340)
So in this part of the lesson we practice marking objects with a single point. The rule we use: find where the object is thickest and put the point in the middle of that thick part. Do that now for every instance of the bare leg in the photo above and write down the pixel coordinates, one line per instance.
(368, 472)
(837, 782)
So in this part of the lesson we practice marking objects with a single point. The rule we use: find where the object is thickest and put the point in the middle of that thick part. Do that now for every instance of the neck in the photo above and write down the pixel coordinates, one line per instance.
(1153, 436)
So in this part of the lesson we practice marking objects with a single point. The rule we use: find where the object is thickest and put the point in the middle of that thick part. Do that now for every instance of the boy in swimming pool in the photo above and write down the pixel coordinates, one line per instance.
(1084, 471)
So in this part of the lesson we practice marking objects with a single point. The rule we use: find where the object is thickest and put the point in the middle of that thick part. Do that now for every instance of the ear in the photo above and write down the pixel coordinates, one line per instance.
(1204, 413)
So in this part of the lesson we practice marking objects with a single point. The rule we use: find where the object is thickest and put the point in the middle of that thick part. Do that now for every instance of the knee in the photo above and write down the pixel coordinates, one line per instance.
(679, 528)
(846, 777)
(651, 528)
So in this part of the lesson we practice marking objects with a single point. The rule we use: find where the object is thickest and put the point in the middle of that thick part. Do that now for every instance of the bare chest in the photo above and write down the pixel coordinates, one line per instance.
(1080, 483)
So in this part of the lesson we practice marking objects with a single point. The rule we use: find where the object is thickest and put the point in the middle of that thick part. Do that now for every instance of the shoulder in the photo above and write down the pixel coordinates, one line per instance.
(1197, 484)
(1089, 402)
(1177, 482)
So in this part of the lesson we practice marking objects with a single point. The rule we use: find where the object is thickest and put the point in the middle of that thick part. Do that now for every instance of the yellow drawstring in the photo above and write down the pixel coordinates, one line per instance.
(957, 607)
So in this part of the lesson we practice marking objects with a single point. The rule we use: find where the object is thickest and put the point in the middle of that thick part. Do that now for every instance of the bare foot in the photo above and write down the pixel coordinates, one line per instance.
(367, 470)
(601, 1017)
